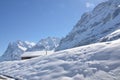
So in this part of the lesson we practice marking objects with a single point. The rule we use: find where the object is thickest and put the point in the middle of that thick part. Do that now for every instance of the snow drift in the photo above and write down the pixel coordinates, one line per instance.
(100, 61)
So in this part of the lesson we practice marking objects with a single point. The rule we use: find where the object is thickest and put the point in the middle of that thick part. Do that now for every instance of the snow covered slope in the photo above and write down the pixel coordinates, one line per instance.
(99, 61)
(49, 43)
(2, 77)
(15, 49)
(95, 26)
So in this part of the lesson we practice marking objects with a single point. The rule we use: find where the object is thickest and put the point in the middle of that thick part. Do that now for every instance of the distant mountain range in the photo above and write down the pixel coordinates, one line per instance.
(16, 49)
(49, 43)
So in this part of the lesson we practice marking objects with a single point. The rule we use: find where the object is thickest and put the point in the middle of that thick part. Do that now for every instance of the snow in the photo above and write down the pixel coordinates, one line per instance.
(49, 43)
(37, 53)
(93, 26)
(22, 48)
(112, 36)
(97, 58)
(17, 48)
(99, 61)
(30, 43)
(5, 78)
(118, 5)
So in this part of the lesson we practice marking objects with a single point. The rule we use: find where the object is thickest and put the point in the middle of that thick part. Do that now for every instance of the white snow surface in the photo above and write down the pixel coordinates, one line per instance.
(5, 78)
(36, 53)
(99, 61)
(112, 36)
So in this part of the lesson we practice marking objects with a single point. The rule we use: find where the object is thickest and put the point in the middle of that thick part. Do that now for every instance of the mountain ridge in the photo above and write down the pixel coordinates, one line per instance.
(94, 26)
(49, 43)
(17, 48)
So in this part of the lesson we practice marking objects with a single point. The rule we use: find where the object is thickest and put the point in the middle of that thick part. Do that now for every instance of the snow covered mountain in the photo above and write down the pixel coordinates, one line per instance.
(102, 24)
(15, 49)
(99, 61)
(49, 43)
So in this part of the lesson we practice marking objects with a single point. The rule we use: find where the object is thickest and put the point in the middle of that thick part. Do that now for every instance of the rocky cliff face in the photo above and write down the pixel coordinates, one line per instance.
(101, 24)
(15, 49)
(49, 43)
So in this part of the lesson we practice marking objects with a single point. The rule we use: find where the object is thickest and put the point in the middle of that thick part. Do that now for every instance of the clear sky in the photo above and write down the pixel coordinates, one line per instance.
(31, 20)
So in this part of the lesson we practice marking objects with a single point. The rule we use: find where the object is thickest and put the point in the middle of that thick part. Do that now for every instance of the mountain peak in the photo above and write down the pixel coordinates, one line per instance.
(94, 26)
(15, 49)
(49, 43)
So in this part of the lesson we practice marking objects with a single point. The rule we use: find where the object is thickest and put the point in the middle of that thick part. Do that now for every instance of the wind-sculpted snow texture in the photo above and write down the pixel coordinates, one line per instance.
(96, 55)
(100, 61)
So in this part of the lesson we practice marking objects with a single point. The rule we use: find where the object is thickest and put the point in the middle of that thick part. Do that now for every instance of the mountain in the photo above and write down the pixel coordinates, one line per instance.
(99, 61)
(49, 43)
(15, 49)
(96, 58)
(100, 25)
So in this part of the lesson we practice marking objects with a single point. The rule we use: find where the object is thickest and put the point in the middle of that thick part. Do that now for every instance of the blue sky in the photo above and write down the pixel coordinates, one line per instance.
(31, 20)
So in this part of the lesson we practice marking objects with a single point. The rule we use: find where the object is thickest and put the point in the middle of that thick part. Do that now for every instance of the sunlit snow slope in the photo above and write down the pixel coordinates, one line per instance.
(99, 61)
